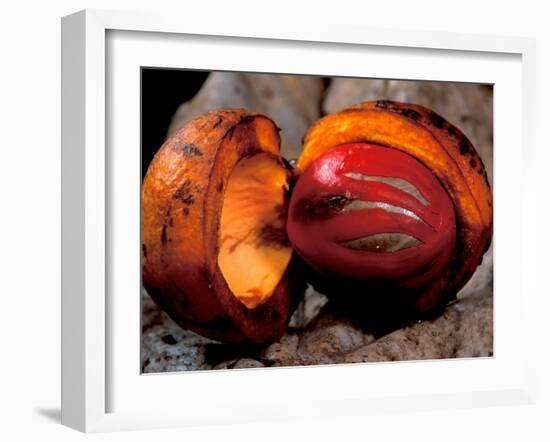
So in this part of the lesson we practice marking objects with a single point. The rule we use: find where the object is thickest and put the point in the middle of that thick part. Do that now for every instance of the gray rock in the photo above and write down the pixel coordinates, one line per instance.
(330, 339)
(308, 308)
(248, 363)
(482, 278)
(282, 352)
(464, 330)
(164, 345)
(225, 365)
(293, 102)
(238, 363)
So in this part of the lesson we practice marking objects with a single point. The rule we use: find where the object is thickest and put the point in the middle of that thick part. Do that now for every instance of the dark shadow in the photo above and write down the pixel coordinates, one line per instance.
(51, 414)
(388, 310)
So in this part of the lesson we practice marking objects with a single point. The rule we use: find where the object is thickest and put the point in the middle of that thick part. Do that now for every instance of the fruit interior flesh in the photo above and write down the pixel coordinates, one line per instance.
(254, 248)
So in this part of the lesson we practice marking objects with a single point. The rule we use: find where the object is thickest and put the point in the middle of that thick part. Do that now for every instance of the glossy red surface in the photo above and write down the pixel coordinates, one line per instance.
(348, 203)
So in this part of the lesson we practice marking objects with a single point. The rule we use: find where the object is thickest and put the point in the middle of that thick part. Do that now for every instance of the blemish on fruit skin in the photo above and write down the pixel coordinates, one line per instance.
(437, 120)
(464, 146)
(410, 113)
(218, 122)
(163, 236)
(184, 193)
(144, 250)
(407, 112)
(189, 149)
(219, 187)
(473, 163)
(230, 133)
(453, 131)
(385, 104)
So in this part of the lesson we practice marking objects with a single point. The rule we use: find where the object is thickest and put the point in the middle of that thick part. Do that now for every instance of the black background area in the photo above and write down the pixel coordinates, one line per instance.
(162, 91)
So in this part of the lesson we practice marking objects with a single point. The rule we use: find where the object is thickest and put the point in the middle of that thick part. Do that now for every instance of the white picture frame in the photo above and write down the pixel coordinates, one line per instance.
(95, 364)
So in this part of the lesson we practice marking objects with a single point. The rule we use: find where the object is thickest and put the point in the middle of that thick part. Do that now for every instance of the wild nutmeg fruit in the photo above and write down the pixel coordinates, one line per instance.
(390, 213)
(392, 208)
(215, 253)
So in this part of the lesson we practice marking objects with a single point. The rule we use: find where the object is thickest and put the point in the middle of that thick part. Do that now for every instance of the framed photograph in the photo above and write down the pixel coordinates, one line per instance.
(264, 224)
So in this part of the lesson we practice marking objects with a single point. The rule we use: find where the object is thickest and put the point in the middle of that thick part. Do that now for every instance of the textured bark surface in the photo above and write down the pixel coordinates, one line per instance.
(318, 334)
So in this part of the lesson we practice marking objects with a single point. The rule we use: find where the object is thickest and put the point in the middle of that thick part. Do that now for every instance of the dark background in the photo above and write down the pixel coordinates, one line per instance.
(162, 91)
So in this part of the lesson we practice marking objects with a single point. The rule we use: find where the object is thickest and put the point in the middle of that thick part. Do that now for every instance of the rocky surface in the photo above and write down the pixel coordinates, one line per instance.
(164, 345)
(318, 334)
(465, 329)
(293, 102)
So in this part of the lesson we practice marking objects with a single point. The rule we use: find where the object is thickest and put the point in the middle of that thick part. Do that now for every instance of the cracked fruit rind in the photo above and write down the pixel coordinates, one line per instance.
(215, 254)
(442, 149)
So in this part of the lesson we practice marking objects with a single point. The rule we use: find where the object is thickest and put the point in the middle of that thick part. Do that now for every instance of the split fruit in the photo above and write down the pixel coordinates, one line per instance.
(215, 253)
(390, 206)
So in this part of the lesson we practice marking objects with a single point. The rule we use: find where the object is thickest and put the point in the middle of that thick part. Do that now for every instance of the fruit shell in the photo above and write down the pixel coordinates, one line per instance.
(182, 199)
(441, 147)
